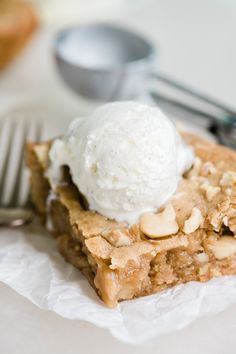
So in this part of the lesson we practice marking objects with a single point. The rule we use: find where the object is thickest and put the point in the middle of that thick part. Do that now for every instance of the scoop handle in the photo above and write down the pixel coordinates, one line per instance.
(194, 93)
(223, 126)
(183, 106)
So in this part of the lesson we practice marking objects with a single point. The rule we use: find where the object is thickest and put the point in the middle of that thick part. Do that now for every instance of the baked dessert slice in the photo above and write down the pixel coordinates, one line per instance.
(18, 20)
(191, 239)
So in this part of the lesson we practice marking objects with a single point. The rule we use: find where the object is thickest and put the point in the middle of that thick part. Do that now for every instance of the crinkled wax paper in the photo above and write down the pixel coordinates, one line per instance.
(31, 265)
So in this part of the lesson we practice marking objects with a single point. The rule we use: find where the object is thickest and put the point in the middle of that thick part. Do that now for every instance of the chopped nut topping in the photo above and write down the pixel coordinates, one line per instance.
(193, 222)
(161, 224)
(225, 220)
(228, 191)
(218, 215)
(123, 240)
(228, 179)
(216, 220)
(196, 168)
(204, 269)
(208, 169)
(202, 257)
(210, 190)
(224, 247)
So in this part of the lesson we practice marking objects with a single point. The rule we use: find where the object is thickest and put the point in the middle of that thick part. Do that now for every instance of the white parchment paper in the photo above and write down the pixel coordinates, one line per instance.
(31, 265)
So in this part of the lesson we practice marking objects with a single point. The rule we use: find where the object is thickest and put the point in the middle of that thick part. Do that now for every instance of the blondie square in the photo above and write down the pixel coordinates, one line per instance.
(191, 238)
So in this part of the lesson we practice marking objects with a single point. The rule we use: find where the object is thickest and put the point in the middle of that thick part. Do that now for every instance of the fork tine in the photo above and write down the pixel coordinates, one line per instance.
(17, 177)
(14, 185)
(13, 167)
(38, 132)
(34, 134)
(6, 136)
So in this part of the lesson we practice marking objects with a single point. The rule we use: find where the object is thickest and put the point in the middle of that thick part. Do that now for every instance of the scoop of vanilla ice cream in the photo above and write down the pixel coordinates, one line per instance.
(126, 159)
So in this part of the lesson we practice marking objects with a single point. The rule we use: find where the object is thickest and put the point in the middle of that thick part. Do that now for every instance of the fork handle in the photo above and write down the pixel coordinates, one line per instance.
(14, 217)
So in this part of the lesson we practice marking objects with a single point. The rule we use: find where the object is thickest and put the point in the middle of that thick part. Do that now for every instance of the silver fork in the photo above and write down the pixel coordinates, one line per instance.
(15, 207)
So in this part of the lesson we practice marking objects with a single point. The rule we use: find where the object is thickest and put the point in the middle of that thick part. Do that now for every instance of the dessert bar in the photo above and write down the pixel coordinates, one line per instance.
(192, 238)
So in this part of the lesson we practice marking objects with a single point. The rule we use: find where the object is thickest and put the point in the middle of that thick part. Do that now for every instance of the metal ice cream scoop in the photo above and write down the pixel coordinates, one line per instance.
(107, 63)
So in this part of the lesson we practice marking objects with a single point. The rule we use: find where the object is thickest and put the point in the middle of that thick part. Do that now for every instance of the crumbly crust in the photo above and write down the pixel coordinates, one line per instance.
(124, 262)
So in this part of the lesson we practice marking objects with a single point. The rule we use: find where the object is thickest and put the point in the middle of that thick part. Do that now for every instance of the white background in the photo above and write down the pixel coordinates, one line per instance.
(197, 43)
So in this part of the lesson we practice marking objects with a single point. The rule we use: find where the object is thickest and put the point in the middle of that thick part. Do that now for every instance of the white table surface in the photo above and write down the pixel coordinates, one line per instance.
(198, 45)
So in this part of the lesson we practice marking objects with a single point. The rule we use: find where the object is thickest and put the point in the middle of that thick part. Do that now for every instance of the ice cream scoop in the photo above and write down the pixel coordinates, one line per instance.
(126, 158)
(123, 61)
